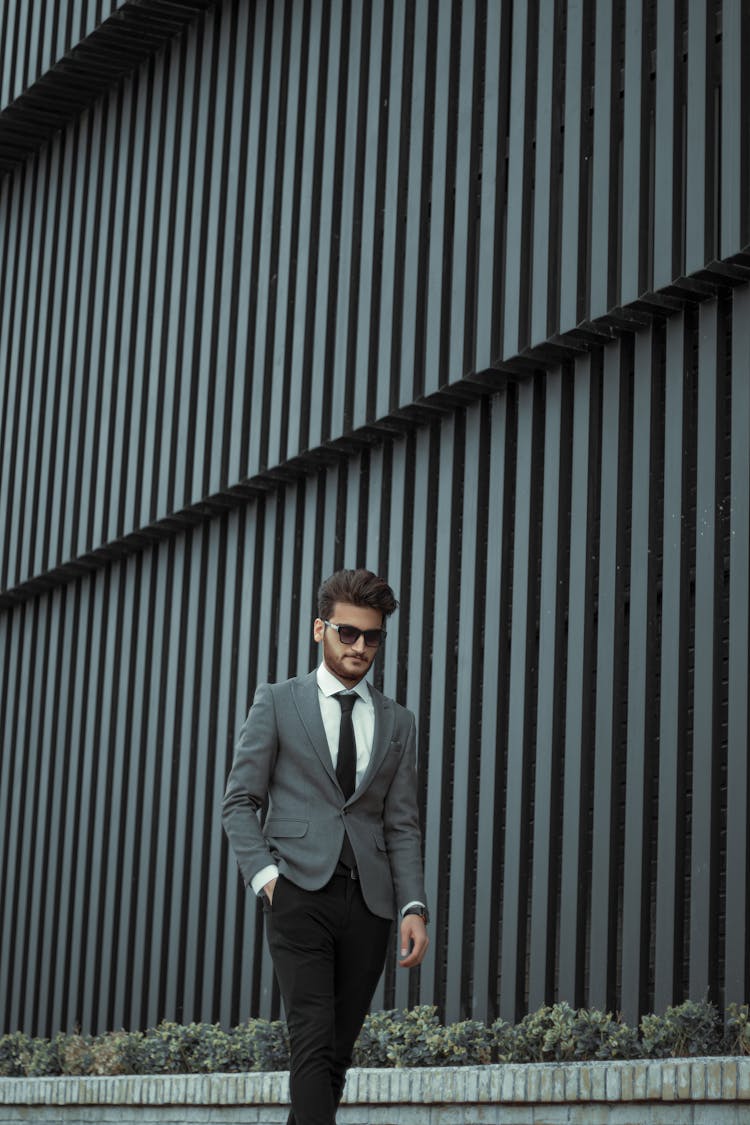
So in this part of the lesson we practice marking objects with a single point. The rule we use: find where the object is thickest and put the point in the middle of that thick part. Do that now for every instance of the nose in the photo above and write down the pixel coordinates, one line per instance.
(359, 644)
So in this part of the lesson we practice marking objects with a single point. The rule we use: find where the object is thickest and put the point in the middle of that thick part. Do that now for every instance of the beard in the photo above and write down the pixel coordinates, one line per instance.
(346, 665)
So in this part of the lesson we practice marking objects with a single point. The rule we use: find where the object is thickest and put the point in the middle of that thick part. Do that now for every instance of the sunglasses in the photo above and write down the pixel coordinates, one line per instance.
(350, 634)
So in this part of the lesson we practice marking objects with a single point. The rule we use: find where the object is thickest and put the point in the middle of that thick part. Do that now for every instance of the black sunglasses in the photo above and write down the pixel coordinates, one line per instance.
(350, 634)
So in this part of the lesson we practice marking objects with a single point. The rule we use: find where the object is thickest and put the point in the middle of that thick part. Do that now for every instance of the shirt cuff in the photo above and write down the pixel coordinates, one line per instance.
(408, 906)
(259, 881)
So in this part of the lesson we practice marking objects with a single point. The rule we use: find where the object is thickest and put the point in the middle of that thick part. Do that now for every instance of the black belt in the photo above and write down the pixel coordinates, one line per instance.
(347, 872)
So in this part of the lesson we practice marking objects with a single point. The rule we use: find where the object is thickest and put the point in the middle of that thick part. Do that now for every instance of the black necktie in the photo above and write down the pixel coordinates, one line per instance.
(346, 764)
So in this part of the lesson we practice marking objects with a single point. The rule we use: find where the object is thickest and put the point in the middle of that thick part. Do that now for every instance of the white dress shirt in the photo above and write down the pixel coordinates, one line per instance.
(363, 717)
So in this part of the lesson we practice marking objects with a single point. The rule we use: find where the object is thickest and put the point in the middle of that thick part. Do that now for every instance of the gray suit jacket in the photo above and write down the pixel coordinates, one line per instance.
(283, 754)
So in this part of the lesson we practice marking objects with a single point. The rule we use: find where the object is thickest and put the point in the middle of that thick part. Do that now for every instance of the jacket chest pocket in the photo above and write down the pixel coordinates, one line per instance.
(388, 766)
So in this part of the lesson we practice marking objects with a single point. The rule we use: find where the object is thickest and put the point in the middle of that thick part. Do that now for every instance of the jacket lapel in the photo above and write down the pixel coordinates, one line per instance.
(385, 717)
(305, 694)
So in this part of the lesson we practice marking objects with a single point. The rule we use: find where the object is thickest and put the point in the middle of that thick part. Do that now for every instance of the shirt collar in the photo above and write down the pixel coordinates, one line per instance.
(329, 685)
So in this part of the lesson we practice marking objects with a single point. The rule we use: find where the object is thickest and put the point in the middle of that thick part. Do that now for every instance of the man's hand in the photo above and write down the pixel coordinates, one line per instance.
(269, 889)
(414, 936)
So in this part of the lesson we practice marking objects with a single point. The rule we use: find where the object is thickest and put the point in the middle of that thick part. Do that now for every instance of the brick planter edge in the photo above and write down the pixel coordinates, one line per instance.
(669, 1090)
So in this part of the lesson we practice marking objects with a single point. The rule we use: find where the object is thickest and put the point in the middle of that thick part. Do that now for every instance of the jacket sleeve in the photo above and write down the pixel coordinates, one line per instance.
(248, 782)
(401, 826)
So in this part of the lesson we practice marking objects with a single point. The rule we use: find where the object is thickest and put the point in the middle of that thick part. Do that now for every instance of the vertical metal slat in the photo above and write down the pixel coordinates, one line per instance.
(673, 674)
(642, 665)
(705, 760)
(523, 658)
(609, 642)
(737, 925)
(548, 769)
(579, 740)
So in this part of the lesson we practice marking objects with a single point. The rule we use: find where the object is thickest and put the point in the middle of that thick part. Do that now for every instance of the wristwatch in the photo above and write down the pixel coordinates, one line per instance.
(420, 911)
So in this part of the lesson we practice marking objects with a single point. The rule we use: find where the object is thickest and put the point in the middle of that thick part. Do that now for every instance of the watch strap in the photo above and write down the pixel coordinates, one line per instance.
(421, 912)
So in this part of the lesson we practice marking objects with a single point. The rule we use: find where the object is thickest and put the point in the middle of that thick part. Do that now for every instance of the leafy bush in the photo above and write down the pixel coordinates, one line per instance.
(737, 1034)
(74, 1052)
(598, 1035)
(554, 1033)
(545, 1035)
(22, 1055)
(371, 1048)
(503, 1036)
(44, 1057)
(116, 1052)
(14, 1053)
(173, 1048)
(692, 1028)
(417, 1038)
(260, 1045)
(558, 1033)
(400, 1038)
(469, 1043)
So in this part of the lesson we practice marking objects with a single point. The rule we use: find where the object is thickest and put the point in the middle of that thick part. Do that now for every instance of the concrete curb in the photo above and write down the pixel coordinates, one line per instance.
(725, 1079)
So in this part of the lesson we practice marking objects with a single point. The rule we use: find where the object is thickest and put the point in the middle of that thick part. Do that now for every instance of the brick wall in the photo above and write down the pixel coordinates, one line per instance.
(712, 1091)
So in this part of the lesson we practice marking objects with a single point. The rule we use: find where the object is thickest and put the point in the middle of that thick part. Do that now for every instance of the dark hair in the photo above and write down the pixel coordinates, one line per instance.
(356, 587)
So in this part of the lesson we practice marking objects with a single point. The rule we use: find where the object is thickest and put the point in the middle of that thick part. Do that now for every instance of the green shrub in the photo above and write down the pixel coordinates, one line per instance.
(407, 1038)
(503, 1038)
(115, 1052)
(44, 1058)
(737, 1032)
(395, 1038)
(598, 1035)
(14, 1053)
(417, 1038)
(75, 1053)
(559, 1033)
(173, 1048)
(469, 1043)
(160, 1049)
(260, 1045)
(546, 1035)
(371, 1048)
(690, 1028)
(244, 1047)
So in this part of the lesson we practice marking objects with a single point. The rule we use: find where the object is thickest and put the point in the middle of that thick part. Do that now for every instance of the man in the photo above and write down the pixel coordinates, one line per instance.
(340, 850)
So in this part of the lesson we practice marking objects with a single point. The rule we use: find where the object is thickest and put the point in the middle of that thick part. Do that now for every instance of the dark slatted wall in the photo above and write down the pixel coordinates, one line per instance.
(36, 35)
(459, 292)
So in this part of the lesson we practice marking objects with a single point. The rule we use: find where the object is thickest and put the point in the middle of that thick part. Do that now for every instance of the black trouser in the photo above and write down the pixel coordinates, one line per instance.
(328, 950)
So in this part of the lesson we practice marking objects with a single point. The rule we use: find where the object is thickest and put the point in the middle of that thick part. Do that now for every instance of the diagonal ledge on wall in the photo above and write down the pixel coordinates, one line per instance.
(713, 279)
(116, 47)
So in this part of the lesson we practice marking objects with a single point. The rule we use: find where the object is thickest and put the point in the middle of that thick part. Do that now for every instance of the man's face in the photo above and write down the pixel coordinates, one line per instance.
(349, 663)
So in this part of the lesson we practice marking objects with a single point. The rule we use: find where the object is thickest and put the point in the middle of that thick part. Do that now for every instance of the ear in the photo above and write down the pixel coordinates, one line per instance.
(318, 630)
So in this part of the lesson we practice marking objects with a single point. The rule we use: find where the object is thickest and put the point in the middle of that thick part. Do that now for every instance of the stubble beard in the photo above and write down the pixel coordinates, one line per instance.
(348, 671)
